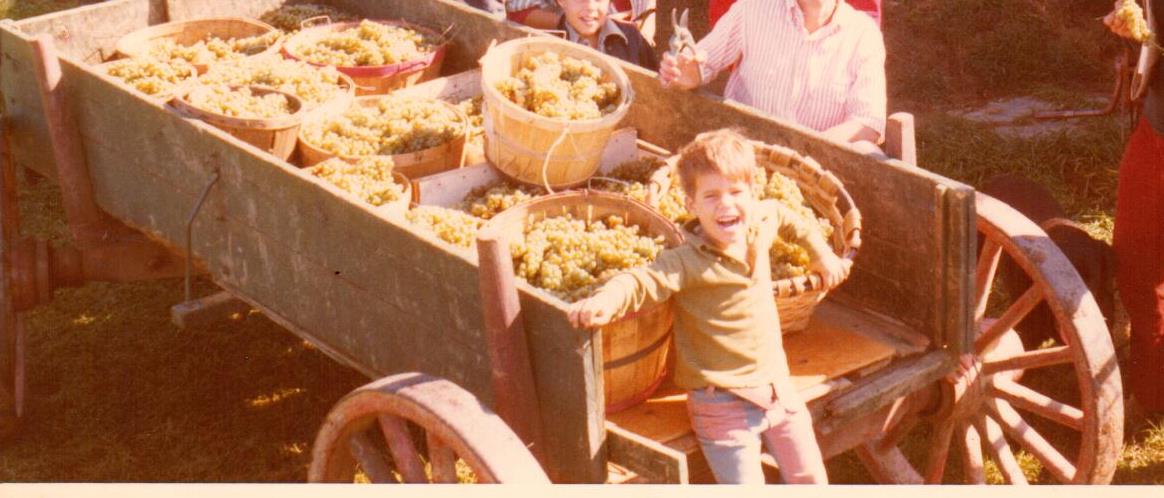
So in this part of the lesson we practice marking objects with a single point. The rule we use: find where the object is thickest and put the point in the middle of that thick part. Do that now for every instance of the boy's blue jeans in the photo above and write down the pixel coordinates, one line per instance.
(730, 430)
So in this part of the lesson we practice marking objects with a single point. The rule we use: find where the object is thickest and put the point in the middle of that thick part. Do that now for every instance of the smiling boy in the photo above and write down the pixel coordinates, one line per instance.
(730, 355)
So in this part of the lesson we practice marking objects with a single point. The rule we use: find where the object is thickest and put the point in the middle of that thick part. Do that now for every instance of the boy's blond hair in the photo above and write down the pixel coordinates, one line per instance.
(725, 152)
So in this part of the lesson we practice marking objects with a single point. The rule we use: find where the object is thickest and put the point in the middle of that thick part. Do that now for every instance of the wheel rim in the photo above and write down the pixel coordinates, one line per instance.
(375, 431)
(1019, 397)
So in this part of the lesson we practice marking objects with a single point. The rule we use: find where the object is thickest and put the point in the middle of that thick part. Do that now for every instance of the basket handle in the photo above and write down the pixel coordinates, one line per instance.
(312, 22)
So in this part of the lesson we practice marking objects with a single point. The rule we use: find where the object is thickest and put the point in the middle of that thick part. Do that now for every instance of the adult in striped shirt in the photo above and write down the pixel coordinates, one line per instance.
(818, 63)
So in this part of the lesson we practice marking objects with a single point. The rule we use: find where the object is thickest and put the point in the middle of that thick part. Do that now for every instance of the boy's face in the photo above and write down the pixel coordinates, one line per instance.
(585, 16)
(722, 206)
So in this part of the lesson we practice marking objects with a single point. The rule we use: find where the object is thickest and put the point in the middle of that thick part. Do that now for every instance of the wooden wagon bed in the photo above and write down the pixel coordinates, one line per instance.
(375, 294)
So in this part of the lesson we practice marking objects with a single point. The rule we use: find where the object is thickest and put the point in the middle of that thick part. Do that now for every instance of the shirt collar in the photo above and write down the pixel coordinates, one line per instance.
(840, 17)
(693, 235)
(609, 29)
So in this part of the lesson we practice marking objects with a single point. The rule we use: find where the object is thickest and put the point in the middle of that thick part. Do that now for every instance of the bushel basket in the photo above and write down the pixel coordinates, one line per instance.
(276, 135)
(635, 348)
(534, 149)
(137, 43)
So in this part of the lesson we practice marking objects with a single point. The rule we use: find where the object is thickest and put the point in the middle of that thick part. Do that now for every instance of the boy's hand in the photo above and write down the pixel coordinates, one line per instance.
(680, 71)
(588, 313)
(831, 268)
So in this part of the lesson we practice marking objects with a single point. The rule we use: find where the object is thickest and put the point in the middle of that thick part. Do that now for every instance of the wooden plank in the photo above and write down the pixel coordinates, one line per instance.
(814, 356)
(881, 389)
(849, 316)
(89, 33)
(646, 457)
(661, 418)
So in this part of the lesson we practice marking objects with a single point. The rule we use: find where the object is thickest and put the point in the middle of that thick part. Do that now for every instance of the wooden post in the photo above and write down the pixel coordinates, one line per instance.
(900, 142)
(516, 399)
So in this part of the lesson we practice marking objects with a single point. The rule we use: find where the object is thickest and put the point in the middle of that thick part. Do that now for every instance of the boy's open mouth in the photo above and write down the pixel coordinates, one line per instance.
(727, 222)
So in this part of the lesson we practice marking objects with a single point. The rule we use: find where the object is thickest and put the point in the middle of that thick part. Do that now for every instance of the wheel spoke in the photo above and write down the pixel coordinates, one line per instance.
(370, 459)
(442, 459)
(1030, 439)
(1013, 315)
(1028, 399)
(939, 451)
(984, 276)
(403, 451)
(898, 432)
(1000, 451)
(1027, 360)
(972, 455)
(887, 466)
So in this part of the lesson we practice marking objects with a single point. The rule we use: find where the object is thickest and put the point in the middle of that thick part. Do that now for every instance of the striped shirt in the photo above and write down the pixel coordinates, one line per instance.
(817, 80)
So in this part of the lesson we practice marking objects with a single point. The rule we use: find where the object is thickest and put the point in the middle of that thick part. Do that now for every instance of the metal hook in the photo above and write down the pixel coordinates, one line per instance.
(190, 228)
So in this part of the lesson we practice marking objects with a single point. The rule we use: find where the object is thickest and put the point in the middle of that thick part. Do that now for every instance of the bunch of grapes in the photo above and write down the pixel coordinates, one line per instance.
(212, 49)
(240, 102)
(790, 259)
(312, 85)
(394, 125)
(368, 178)
(570, 258)
(449, 225)
(486, 202)
(289, 18)
(369, 44)
(151, 77)
(558, 86)
(1133, 16)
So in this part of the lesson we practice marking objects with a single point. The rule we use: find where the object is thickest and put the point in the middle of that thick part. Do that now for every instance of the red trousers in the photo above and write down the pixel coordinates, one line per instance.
(1139, 246)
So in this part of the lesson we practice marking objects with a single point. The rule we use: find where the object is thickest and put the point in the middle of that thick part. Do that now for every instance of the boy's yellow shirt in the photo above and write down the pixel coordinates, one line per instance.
(727, 331)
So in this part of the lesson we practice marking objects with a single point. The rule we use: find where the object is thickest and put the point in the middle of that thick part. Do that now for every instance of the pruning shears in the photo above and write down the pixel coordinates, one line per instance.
(681, 37)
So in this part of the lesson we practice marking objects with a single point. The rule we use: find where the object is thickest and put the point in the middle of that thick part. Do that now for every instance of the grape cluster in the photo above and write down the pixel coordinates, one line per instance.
(570, 258)
(151, 77)
(558, 86)
(212, 49)
(486, 202)
(449, 225)
(369, 178)
(289, 18)
(394, 125)
(312, 85)
(240, 102)
(1133, 17)
(789, 259)
(368, 44)
(633, 181)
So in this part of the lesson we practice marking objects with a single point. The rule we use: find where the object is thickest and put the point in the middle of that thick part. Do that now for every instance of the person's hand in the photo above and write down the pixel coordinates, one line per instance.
(968, 369)
(831, 268)
(680, 71)
(588, 313)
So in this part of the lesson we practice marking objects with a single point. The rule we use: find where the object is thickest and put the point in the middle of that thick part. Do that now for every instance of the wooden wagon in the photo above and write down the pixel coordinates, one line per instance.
(144, 188)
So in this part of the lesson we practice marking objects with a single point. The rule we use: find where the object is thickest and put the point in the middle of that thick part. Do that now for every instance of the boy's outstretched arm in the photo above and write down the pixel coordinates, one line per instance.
(832, 269)
(629, 291)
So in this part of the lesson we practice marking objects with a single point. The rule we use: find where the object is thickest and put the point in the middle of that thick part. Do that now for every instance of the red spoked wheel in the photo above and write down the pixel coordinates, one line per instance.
(416, 428)
(1055, 410)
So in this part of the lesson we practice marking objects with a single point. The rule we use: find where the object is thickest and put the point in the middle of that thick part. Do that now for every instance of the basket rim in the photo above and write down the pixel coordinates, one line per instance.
(360, 100)
(437, 54)
(126, 44)
(609, 65)
(182, 103)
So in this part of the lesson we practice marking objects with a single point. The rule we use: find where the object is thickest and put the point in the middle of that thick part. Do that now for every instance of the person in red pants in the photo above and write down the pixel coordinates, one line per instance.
(717, 8)
(1139, 230)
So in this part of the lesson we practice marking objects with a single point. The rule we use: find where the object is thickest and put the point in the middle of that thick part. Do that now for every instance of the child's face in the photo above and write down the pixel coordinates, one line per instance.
(722, 206)
(585, 16)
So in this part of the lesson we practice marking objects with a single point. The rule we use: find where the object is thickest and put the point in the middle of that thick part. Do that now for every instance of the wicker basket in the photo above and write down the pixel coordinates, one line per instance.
(375, 80)
(137, 43)
(275, 135)
(535, 149)
(635, 348)
(415, 164)
(796, 297)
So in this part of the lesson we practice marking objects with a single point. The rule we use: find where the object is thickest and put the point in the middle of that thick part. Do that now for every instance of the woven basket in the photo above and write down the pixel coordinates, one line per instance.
(415, 164)
(375, 80)
(535, 149)
(796, 297)
(275, 135)
(137, 43)
(635, 348)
